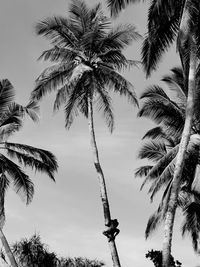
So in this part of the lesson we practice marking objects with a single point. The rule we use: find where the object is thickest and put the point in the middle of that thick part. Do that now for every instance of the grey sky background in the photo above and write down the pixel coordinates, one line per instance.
(68, 215)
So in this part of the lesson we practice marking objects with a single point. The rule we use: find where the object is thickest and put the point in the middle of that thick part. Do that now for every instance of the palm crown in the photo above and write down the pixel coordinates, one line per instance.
(88, 56)
(11, 115)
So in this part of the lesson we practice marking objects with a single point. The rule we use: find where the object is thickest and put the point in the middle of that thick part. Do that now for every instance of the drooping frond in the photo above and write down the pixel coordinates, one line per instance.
(104, 104)
(59, 54)
(154, 221)
(160, 166)
(160, 108)
(143, 170)
(6, 94)
(51, 79)
(176, 83)
(22, 183)
(191, 223)
(73, 101)
(155, 133)
(115, 58)
(152, 150)
(4, 184)
(118, 83)
(61, 97)
(164, 178)
(39, 159)
(60, 31)
(116, 6)
(163, 24)
(119, 38)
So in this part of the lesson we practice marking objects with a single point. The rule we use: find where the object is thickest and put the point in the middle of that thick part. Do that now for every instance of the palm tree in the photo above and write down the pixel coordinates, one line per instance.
(168, 20)
(163, 147)
(33, 253)
(88, 57)
(11, 115)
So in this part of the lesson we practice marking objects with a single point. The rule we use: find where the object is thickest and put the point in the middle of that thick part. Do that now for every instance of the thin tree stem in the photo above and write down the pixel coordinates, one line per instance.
(103, 191)
(8, 249)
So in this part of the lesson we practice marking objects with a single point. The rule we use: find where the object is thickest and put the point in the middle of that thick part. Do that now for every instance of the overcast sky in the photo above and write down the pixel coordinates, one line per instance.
(68, 214)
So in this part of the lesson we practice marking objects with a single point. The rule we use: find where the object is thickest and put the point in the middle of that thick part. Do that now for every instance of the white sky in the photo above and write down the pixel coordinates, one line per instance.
(68, 215)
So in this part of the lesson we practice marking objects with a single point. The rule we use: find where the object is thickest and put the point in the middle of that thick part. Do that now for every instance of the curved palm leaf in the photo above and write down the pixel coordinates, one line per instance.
(116, 6)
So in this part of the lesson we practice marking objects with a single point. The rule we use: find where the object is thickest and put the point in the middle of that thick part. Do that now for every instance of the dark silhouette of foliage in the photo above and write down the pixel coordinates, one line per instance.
(156, 257)
(32, 252)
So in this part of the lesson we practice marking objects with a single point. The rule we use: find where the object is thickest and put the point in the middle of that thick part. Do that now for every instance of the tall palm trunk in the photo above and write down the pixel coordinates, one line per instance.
(104, 197)
(7, 249)
(170, 215)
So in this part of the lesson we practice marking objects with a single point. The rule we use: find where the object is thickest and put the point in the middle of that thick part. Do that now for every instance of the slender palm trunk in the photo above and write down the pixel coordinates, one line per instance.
(170, 215)
(8, 249)
(104, 197)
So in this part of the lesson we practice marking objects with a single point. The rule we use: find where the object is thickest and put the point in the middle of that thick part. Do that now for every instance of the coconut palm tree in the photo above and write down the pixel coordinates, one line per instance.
(88, 57)
(163, 147)
(11, 173)
(167, 21)
(33, 253)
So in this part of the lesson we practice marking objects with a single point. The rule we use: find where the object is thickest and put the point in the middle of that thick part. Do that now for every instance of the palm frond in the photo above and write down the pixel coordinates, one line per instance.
(104, 103)
(32, 162)
(51, 79)
(4, 185)
(7, 94)
(61, 97)
(164, 178)
(71, 107)
(159, 167)
(165, 112)
(155, 133)
(116, 59)
(176, 83)
(58, 30)
(143, 170)
(152, 150)
(22, 183)
(191, 223)
(153, 222)
(118, 83)
(43, 156)
(116, 6)
(59, 54)
(163, 25)
(118, 38)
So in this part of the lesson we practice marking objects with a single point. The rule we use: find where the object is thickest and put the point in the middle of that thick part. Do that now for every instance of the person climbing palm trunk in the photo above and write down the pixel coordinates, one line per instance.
(88, 58)
(104, 198)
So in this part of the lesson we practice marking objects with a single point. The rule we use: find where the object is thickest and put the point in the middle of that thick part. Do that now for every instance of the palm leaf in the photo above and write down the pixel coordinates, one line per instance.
(22, 183)
(191, 223)
(163, 25)
(118, 83)
(6, 94)
(104, 103)
(152, 150)
(51, 79)
(143, 170)
(44, 156)
(58, 30)
(116, 6)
